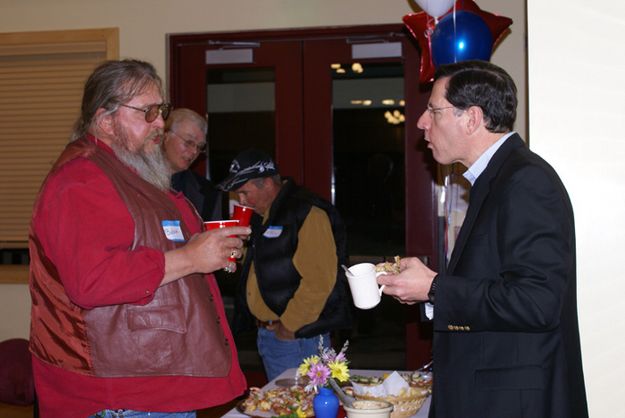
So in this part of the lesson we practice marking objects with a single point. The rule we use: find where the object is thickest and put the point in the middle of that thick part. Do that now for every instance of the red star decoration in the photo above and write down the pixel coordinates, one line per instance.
(421, 25)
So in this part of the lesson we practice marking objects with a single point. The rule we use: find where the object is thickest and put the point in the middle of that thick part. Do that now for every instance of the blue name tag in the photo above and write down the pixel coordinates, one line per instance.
(172, 230)
(273, 232)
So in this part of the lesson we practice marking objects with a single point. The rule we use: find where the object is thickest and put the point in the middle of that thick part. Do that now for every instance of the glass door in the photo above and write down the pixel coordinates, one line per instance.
(364, 151)
(239, 85)
(241, 114)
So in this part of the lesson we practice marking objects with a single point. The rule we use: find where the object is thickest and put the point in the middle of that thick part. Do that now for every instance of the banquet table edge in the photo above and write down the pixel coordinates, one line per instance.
(290, 373)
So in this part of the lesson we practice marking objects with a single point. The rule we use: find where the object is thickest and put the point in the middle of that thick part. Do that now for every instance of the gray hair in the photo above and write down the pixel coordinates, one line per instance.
(259, 182)
(113, 83)
(182, 114)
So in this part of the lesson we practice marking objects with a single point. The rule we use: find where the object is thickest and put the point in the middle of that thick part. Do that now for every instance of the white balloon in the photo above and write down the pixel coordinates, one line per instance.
(435, 8)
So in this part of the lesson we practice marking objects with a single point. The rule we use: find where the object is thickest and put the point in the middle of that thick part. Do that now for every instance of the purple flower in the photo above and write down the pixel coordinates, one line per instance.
(318, 374)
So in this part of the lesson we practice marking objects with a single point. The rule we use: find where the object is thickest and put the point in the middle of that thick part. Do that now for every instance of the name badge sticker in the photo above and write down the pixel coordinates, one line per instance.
(273, 232)
(172, 231)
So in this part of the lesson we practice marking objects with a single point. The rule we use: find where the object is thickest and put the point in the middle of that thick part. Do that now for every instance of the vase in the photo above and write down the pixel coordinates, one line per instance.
(326, 404)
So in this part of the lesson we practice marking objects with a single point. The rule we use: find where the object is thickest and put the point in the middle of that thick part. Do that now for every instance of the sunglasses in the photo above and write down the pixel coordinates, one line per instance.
(152, 111)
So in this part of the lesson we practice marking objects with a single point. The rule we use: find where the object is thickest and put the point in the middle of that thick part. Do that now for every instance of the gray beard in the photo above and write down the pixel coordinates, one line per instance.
(152, 168)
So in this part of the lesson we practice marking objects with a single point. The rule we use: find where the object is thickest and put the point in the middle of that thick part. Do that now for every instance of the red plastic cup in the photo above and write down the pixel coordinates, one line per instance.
(243, 214)
(222, 224)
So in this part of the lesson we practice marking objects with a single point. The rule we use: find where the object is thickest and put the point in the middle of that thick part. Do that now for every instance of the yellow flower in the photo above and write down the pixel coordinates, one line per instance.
(306, 364)
(339, 370)
(300, 413)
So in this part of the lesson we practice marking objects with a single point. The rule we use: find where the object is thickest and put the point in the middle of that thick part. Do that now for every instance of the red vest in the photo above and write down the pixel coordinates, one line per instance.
(177, 333)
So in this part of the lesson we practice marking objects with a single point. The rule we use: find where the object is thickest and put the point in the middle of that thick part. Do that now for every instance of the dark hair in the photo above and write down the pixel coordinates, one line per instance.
(113, 83)
(482, 84)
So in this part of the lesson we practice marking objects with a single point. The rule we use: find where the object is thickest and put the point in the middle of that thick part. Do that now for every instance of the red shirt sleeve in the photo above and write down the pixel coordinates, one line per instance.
(87, 232)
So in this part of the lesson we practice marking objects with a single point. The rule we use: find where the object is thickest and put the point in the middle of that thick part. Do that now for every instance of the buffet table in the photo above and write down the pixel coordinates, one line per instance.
(290, 373)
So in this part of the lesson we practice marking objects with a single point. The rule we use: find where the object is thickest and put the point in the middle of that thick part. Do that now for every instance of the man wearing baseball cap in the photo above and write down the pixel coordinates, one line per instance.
(291, 283)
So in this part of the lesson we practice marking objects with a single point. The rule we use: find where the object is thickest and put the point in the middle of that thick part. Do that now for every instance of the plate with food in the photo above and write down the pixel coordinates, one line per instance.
(280, 401)
(417, 378)
(389, 267)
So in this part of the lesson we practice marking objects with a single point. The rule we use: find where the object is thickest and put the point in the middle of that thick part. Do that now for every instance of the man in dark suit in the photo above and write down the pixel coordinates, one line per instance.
(185, 139)
(506, 339)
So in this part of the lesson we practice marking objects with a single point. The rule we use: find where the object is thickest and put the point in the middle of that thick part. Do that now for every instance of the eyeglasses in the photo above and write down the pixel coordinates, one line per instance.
(152, 111)
(199, 148)
(435, 110)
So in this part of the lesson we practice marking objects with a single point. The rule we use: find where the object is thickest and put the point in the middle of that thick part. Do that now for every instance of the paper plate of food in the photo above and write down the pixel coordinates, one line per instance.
(389, 267)
(277, 402)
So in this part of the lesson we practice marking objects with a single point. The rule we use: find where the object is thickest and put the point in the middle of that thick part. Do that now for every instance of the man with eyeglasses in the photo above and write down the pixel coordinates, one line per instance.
(506, 338)
(127, 319)
(184, 141)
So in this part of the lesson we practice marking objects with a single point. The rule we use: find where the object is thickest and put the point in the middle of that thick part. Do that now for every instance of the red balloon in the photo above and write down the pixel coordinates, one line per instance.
(422, 25)
(497, 24)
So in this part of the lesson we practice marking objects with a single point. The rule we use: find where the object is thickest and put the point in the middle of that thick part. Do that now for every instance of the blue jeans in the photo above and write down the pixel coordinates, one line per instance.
(126, 413)
(279, 355)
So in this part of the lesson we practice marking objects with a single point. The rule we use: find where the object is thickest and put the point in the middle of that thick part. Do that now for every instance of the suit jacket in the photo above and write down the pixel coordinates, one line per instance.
(201, 192)
(506, 338)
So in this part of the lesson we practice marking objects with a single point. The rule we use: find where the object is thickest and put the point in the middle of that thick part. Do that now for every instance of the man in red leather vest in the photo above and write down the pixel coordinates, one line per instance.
(127, 319)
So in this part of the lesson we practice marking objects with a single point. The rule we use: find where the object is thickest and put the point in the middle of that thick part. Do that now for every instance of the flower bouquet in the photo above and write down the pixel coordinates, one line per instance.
(324, 366)
(320, 369)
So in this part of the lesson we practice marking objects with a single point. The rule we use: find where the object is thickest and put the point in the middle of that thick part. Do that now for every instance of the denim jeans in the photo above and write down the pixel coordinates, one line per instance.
(126, 413)
(279, 355)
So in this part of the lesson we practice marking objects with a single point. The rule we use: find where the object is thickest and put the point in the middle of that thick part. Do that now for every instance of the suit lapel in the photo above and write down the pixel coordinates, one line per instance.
(478, 195)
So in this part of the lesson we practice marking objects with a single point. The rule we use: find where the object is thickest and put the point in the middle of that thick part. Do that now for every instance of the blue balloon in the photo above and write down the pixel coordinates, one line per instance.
(469, 39)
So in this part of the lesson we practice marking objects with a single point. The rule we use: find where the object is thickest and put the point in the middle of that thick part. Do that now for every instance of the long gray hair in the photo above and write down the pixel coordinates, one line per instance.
(111, 84)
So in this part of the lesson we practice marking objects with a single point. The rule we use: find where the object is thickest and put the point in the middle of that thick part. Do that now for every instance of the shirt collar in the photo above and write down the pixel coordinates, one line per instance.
(481, 163)
(99, 143)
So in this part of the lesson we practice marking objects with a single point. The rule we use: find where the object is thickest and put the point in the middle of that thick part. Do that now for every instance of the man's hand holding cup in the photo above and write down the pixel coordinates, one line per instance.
(232, 247)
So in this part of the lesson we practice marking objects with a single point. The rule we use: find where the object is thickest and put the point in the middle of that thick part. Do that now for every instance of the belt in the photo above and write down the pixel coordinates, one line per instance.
(265, 324)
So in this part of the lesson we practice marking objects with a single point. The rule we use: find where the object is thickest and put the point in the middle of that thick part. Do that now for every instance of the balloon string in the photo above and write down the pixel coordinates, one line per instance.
(428, 34)
(455, 34)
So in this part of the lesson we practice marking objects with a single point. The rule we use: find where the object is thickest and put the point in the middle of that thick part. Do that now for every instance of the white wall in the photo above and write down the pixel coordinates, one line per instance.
(143, 24)
(577, 122)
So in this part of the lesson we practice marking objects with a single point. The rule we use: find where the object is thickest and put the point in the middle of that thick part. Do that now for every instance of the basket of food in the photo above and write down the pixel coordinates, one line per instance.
(406, 391)
(404, 405)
